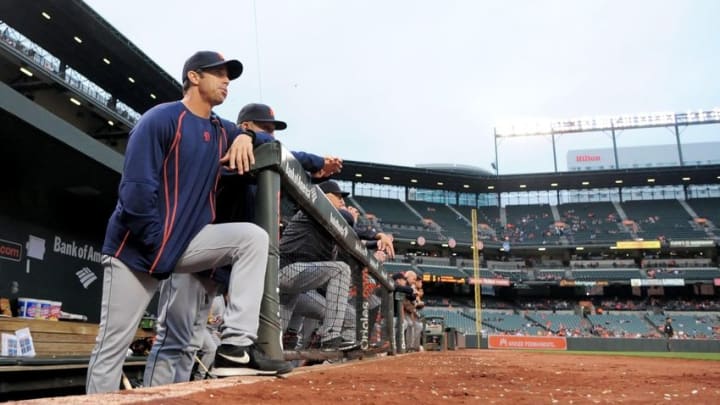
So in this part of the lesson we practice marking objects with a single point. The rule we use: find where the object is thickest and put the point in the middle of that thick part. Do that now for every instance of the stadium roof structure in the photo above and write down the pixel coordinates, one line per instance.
(81, 38)
(434, 179)
(456, 168)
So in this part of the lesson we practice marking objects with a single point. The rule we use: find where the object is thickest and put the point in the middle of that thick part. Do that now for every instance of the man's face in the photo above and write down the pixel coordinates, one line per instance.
(256, 126)
(336, 200)
(213, 84)
(268, 127)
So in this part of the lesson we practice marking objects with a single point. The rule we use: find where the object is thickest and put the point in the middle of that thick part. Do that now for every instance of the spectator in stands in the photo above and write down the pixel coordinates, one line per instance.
(147, 241)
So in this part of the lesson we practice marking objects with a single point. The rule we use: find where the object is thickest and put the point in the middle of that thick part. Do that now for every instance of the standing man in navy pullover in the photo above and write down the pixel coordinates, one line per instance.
(185, 299)
(163, 223)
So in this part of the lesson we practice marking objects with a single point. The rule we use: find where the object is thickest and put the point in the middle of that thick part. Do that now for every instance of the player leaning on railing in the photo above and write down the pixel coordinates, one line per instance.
(163, 223)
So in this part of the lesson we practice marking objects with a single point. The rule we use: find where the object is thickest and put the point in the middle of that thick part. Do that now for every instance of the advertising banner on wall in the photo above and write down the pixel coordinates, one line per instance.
(46, 264)
(582, 283)
(668, 282)
(527, 342)
(691, 243)
(489, 281)
(637, 244)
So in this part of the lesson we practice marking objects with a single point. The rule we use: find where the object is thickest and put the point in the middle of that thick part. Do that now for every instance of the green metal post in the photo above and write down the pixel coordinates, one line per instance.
(267, 216)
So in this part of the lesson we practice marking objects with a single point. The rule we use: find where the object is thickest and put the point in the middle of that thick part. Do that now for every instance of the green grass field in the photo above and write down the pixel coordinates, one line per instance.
(673, 355)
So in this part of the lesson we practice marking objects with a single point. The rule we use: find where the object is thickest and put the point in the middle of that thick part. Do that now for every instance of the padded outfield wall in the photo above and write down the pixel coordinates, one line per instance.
(623, 345)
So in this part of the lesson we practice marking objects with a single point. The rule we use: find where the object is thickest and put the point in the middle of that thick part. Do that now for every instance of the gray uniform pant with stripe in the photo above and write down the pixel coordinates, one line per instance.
(126, 294)
(300, 277)
(183, 306)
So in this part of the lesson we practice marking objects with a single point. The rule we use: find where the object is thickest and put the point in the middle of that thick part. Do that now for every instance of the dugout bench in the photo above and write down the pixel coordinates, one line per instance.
(62, 356)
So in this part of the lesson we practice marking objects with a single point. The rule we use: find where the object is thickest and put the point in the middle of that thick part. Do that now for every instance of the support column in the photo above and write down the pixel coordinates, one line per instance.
(679, 146)
(400, 345)
(554, 153)
(497, 167)
(267, 216)
(617, 162)
(388, 313)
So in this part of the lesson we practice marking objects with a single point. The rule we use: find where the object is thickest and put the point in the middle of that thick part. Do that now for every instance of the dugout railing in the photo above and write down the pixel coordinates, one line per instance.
(276, 168)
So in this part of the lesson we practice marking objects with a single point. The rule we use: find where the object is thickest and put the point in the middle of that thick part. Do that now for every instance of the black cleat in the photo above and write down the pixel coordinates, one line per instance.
(338, 344)
(231, 360)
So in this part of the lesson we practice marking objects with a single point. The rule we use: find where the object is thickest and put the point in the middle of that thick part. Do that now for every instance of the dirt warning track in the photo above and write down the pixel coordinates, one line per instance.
(458, 377)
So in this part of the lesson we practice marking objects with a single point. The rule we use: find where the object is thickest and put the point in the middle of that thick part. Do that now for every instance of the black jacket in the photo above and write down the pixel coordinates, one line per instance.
(304, 240)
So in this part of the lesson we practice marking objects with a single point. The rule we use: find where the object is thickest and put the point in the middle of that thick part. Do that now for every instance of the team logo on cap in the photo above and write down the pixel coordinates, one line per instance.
(220, 56)
(272, 113)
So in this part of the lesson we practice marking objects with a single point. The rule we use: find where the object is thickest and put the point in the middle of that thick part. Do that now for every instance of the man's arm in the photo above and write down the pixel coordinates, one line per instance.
(239, 156)
(310, 162)
(139, 190)
(380, 240)
(331, 165)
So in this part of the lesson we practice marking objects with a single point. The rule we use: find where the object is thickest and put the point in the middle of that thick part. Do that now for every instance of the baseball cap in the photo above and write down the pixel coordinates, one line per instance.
(332, 187)
(260, 113)
(210, 59)
(398, 276)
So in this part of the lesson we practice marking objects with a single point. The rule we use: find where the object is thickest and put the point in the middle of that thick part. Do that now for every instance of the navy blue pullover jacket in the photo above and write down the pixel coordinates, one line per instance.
(167, 191)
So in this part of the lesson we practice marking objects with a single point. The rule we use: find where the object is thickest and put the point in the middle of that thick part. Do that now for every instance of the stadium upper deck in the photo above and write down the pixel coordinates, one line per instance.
(72, 88)
(76, 35)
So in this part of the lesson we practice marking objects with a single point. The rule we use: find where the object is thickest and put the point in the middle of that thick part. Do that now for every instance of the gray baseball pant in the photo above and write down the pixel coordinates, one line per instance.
(126, 294)
(210, 336)
(413, 333)
(209, 345)
(312, 305)
(184, 304)
(300, 277)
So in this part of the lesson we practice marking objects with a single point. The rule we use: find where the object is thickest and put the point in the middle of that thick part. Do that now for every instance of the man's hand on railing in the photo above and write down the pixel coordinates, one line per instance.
(354, 212)
(380, 256)
(385, 244)
(333, 165)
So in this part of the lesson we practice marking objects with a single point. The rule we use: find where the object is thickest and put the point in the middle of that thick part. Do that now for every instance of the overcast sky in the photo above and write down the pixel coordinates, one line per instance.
(413, 81)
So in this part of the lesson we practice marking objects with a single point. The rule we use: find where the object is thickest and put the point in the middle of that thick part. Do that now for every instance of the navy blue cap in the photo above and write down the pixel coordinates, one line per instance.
(209, 59)
(332, 187)
(257, 112)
